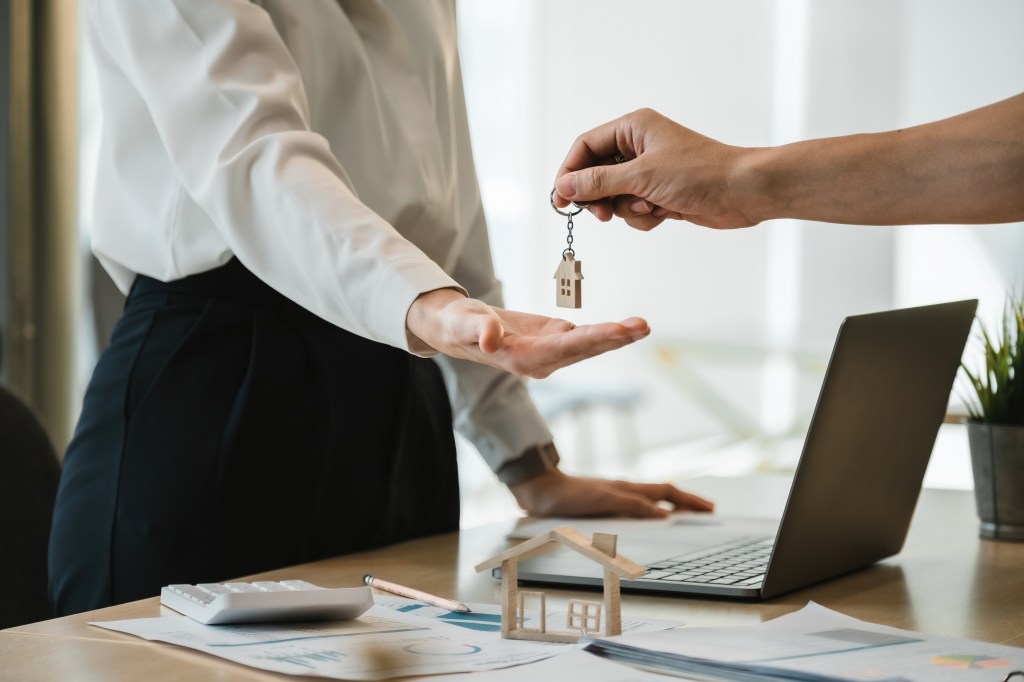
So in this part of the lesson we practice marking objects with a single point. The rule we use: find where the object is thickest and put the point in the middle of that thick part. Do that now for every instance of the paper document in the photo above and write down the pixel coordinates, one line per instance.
(382, 643)
(487, 617)
(398, 639)
(529, 528)
(626, 528)
(568, 667)
(817, 645)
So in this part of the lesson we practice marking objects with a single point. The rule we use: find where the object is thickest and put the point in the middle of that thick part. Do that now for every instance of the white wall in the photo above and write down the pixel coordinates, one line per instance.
(748, 72)
(958, 56)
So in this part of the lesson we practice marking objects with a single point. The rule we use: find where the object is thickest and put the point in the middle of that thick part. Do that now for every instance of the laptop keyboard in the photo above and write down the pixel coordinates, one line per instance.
(741, 563)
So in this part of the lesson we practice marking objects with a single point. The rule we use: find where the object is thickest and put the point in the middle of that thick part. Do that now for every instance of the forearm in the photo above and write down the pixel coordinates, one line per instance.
(965, 169)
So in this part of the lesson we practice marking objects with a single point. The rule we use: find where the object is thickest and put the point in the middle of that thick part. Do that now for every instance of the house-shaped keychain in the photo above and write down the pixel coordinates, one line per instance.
(568, 282)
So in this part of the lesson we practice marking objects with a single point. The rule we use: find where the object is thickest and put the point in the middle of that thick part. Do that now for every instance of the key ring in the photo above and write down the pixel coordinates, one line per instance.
(579, 209)
(568, 276)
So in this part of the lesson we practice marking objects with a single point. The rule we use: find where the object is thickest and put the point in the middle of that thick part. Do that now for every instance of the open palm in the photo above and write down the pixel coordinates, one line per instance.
(520, 343)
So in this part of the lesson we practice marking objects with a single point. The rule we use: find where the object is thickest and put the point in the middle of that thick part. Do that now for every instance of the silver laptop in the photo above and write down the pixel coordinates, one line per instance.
(854, 491)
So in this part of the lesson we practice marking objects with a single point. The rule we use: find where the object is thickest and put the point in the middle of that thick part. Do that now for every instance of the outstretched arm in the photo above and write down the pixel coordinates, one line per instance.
(964, 169)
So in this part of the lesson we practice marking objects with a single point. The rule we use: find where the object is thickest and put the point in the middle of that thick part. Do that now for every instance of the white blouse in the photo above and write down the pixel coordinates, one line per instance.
(324, 144)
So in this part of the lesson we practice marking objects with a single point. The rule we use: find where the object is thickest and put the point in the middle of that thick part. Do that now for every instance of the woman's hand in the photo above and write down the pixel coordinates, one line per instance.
(520, 343)
(554, 493)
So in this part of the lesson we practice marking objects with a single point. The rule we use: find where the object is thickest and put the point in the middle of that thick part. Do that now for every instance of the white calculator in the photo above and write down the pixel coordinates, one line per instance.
(264, 602)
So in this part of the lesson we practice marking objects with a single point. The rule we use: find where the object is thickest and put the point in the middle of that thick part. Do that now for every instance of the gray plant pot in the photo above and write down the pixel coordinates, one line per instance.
(997, 457)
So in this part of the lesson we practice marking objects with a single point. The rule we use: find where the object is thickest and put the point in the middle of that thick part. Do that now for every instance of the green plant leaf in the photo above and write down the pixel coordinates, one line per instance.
(995, 394)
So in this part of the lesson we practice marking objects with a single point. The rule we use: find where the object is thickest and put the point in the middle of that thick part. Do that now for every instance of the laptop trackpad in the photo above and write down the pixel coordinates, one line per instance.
(686, 534)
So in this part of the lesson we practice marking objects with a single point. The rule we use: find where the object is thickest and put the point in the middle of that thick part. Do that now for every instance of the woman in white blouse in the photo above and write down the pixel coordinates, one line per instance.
(286, 190)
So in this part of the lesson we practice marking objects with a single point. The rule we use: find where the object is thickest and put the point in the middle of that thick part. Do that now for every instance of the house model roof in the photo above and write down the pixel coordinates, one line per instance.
(570, 268)
(567, 536)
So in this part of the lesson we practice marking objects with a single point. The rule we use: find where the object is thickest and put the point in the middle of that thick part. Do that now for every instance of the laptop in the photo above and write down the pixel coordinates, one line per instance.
(854, 490)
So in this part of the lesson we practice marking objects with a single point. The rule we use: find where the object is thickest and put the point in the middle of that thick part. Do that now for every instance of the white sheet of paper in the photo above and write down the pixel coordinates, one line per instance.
(380, 644)
(820, 641)
(571, 665)
(487, 617)
(530, 528)
(397, 637)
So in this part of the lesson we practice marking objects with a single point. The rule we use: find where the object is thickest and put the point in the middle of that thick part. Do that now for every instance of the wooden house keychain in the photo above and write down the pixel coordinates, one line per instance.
(569, 275)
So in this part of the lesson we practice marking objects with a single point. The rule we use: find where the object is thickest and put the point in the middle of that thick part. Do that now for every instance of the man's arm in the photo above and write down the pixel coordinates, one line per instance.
(964, 169)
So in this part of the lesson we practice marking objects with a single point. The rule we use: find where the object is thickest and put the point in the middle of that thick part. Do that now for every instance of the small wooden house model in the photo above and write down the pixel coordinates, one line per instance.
(583, 615)
(569, 283)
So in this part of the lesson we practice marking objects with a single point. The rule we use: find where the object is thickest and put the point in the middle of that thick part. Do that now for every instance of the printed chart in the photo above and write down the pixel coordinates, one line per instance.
(965, 661)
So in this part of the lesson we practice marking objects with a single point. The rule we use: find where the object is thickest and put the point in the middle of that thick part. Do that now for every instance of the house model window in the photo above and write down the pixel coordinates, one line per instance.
(569, 277)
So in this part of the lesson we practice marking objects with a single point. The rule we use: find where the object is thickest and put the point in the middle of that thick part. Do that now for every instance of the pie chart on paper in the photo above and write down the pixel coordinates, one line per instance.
(965, 661)
(442, 649)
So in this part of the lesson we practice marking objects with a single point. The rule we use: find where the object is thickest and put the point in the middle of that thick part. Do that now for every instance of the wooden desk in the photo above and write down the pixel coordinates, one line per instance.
(946, 581)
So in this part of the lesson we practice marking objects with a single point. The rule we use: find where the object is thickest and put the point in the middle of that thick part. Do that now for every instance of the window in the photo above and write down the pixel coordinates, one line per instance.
(584, 615)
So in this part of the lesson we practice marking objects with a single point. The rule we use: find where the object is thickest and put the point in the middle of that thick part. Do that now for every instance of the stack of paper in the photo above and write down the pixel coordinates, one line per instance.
(396, 638)
(815, 645)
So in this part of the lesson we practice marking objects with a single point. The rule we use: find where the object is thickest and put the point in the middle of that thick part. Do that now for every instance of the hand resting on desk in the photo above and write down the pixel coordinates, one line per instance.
(555, 493)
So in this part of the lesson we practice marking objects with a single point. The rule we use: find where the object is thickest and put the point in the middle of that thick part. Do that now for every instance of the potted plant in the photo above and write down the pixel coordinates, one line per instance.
(995, 429)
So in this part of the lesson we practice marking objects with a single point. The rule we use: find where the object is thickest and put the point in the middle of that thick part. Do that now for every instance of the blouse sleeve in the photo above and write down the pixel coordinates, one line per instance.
(491, 408)
(227, 101)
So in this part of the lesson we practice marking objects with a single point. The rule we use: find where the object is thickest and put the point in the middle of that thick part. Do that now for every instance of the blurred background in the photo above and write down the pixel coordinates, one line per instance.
(743, 321)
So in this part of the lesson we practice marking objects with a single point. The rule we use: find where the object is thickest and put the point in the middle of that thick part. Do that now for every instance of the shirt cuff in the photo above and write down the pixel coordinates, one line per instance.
(394, 294)
(535, 461)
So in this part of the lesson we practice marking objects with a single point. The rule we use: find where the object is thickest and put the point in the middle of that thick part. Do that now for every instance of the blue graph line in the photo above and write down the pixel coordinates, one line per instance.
(298, 639)
(836, 651)
(481, 627)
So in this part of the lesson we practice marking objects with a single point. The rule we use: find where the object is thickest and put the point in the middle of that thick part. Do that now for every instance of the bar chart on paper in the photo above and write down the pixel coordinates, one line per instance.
(487, 617)
(312, 659)
(481, 622)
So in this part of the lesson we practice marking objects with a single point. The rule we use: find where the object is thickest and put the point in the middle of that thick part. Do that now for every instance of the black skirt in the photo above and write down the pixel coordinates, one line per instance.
(227, 431)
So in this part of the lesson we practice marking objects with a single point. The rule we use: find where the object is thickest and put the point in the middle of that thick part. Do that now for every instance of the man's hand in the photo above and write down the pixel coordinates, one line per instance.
(667, 171)
(557, 494)
(645, 168)
(520, 343)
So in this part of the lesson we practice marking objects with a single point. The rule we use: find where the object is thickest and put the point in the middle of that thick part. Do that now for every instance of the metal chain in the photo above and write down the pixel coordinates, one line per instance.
(568, 239)
(568, 214)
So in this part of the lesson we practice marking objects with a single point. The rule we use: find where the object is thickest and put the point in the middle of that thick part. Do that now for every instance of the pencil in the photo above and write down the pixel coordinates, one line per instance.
(402, 591)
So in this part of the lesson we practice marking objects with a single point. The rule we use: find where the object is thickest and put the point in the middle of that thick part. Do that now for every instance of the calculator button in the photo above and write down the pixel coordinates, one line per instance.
(242, 587)
(194, 593)
(300, 585)
(214, 588)
(270, 586)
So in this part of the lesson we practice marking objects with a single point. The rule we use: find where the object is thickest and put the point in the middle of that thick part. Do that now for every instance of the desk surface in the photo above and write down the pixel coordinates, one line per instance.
(945, 581)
